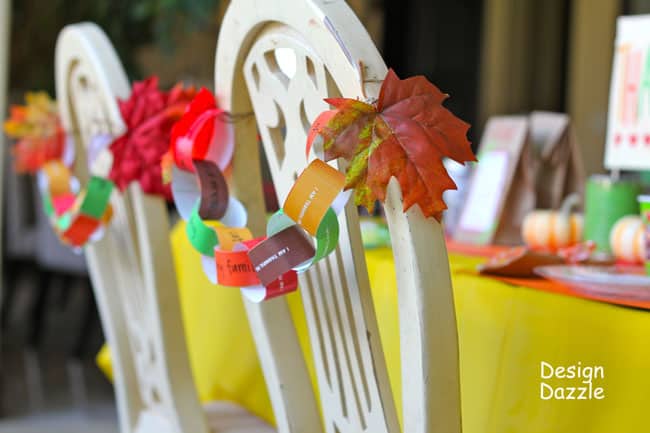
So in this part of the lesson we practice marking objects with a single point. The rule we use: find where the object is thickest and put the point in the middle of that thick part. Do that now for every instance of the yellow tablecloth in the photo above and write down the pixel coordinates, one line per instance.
(505, 332)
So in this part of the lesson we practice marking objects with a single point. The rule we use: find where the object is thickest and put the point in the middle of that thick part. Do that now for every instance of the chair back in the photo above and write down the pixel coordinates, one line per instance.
(279, 59)
(131, 267)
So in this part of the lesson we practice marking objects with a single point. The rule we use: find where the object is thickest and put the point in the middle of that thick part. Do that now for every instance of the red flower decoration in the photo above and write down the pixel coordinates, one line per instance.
(149, 114)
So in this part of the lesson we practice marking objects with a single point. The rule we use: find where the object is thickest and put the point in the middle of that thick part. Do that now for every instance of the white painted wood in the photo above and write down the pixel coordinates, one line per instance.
(131, 267)
(78, 61)
(331, 47)
(231, 418)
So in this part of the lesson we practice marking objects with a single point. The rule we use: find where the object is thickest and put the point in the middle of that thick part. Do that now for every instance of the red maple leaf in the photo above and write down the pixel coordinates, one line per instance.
(37, 127)
(405, 134)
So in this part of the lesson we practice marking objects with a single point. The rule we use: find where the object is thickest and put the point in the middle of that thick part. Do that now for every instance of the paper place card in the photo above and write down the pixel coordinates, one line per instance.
(481, 210)
(501, 148)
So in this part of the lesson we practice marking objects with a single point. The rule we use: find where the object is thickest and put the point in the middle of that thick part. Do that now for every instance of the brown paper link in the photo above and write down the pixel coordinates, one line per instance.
(280, 253)
(214, 190)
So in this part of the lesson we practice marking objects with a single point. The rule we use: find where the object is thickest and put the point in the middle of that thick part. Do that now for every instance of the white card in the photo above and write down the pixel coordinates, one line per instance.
(482, 206)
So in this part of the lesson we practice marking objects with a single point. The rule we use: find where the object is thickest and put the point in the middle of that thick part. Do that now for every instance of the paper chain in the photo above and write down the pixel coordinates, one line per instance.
(303, 232)
(78, 216)
(201, 147)
(43, 148)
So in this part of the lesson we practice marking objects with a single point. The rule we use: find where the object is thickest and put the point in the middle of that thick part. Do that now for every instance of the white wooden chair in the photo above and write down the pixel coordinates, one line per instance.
(131, 267)
(280, 58)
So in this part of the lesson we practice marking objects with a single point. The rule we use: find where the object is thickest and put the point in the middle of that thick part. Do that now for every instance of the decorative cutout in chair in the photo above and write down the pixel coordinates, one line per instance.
(280, 58)
(131, 266)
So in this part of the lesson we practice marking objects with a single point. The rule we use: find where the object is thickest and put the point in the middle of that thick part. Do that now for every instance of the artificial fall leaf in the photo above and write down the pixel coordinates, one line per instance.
(38, 130)
(405, 134)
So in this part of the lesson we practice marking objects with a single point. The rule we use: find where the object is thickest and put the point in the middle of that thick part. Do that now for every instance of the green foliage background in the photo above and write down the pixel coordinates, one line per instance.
(129, 24)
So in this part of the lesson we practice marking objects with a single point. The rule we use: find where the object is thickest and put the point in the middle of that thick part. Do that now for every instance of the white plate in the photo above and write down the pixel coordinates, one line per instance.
(600, 280)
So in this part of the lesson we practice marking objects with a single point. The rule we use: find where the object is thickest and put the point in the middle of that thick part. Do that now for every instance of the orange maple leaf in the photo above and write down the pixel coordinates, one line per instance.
(38, 130)
(405, 134)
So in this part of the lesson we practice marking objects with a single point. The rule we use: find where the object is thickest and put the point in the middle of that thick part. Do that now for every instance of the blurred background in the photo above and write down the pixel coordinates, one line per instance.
(492, 56)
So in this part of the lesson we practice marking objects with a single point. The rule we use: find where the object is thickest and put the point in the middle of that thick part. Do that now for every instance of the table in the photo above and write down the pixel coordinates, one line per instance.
(505, 332)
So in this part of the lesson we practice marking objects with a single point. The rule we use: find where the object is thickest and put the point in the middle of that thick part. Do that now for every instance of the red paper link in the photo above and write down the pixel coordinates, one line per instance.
(63, 202)
(200, 134)
(287, 283)
(80, 230)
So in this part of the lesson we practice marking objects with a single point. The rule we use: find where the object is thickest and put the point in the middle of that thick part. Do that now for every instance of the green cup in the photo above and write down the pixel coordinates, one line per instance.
(607, 201)
(645, 178)
(644, 203)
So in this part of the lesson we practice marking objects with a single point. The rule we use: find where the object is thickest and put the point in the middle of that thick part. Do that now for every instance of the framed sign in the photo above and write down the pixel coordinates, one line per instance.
(628, 124)
(499, 155)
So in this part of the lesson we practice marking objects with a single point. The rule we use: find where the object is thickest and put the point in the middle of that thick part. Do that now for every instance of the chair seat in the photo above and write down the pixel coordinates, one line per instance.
(227, 417)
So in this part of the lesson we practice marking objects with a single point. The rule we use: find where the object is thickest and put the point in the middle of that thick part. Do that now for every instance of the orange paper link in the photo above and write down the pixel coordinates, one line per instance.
(234, 269)
(229, 236)
(312, 194)
(58, 178)
(108, 215)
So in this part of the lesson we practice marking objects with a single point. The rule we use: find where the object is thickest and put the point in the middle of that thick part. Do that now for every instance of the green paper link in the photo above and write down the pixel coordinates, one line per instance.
(47, 205)
(327, 235)
(64, 221)
(202, 237)
(98, 195)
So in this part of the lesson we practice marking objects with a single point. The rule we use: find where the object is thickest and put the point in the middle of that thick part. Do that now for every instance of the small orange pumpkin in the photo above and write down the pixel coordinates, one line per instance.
(550, 230)
(626, 239)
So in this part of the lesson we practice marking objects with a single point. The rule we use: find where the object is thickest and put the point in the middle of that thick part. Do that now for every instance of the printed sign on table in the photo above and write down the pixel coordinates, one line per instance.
(499, 155)
(628, 129)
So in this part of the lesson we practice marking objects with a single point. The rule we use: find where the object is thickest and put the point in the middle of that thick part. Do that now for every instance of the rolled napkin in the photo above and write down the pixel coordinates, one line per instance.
(518, 262)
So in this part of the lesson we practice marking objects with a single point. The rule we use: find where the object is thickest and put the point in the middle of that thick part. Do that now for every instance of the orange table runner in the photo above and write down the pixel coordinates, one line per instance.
(537, 283)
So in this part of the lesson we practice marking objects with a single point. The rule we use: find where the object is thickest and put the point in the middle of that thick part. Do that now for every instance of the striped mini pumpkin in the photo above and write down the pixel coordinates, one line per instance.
(626, 239)
(550, 229)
